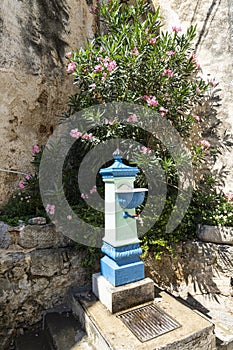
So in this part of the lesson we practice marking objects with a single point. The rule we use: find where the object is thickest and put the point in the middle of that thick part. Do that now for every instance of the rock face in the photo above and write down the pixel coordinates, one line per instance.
(214, 48)
(36, 269)
(34, 85)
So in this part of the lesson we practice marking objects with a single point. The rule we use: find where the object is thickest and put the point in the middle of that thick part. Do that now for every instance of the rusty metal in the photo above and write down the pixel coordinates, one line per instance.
(148, 322)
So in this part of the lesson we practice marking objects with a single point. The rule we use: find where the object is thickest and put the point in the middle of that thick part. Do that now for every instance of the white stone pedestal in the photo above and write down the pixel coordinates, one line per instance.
(122, 297)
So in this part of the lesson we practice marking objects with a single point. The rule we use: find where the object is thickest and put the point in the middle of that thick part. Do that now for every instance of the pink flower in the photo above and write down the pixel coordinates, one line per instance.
(93, 190)
(167, 98)
(213, 83)
(21, 184)
(132, 118)
(135, 52)
(163, 111)
(35, 149)
(92, 86)
(27, 177)
(93, 9)
(84, 196)
(168, 72)
(69, 217)
(204, 144)
(109, 122)
(85, 136)
(151, 100)
(111, 66)
(98, 68)
(71, 67)
(50, 209)
(229, 196)
(198, 91)
(104, 76)
(196, 117)
(68, 54)
(106, 61)
(170, 53)
(176, 29)
(193, 57)
(152, 41)
(75, 133)
(90, 137)
(145, 150)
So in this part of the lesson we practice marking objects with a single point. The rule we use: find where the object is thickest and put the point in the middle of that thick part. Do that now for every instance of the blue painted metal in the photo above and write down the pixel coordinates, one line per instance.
(131, 200)
(121, 265)
(119, 275)
(118, 169)
(126, 215)
(124, 254)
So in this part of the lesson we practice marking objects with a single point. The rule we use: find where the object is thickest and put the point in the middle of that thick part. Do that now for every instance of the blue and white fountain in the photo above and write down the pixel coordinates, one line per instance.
(121, 263)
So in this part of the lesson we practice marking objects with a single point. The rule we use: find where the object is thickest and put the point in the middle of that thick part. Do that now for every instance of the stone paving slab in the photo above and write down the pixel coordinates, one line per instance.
(196, 332)
(219, 310)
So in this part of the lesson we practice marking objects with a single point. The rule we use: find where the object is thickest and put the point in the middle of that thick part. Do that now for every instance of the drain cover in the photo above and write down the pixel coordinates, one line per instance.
(148, 322)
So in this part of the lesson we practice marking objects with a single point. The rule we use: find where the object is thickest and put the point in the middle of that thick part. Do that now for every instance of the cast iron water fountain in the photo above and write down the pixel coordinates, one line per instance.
(122, 283)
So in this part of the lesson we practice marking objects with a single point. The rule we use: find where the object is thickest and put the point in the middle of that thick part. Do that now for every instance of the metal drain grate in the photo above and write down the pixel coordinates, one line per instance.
(148, 322)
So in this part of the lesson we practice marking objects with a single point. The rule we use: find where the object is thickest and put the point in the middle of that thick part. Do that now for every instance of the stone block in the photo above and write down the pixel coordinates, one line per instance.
(46, 262)
(122, 297)
(5, 237)
(216, 234)
(41, 236)
(8, 260)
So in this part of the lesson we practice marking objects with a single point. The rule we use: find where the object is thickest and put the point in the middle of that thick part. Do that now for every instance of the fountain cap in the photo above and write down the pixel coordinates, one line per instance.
(118, 168)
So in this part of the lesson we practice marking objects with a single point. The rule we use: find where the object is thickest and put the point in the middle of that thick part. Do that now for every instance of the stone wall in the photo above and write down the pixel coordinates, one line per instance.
(196, 268)
(34, 85)
(214, 48)
(37, 266)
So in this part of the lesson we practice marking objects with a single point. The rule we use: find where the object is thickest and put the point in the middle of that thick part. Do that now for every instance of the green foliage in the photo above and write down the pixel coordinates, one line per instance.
(135, 59)
(211, 207)
(25, 203)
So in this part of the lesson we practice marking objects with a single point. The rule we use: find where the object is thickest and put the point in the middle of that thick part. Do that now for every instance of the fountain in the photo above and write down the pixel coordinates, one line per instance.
(127, 314)
(122, 269)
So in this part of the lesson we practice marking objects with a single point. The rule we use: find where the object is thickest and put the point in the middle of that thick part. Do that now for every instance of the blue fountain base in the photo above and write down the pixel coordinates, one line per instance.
(119, 275)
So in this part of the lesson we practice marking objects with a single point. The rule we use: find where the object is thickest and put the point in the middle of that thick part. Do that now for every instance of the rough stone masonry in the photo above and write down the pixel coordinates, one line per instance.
(37, 266)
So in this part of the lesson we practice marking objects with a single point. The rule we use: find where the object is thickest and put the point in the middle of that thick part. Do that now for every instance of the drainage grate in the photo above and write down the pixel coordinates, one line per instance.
(148, 322)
